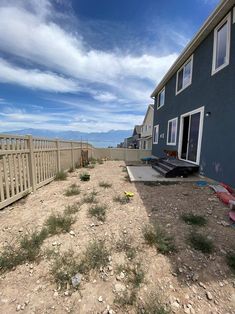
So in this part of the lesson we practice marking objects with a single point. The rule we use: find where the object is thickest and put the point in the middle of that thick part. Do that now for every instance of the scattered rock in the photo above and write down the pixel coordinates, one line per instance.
(100, 299)
(72, 233)
(209, 295)
(202, 285)
(76, 280)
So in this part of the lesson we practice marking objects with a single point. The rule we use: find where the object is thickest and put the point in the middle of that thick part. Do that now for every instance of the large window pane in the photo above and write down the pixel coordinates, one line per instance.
(187, 73)
(221, 49)
(180, 80)
(161, 98)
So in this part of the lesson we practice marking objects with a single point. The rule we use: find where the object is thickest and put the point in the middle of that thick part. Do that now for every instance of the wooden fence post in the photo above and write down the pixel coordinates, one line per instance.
(58, 155)
(32, 170)
(72, 155)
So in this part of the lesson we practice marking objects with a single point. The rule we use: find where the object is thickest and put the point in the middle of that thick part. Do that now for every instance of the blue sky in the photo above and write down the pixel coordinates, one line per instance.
(88, 65)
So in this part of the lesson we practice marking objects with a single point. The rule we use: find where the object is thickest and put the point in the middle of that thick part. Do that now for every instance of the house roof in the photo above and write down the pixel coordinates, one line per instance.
(137, 129)
(212, 21)
(150, 107)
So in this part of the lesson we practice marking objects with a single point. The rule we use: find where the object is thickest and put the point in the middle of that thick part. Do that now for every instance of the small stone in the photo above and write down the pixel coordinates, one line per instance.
(100, 299)
(202, 285)
(209, 295)
(18, 308)
(66, 293)
(72, 233)
(54, 243)
(76, 280)
(21, 230)
(181, 270)
(119, 287)
(56, 294)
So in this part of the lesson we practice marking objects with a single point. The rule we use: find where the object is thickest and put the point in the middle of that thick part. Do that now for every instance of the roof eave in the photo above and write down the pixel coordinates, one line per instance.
(207, 27)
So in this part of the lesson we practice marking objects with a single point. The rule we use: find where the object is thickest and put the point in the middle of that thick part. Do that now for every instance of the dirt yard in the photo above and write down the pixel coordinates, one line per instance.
(184, 281)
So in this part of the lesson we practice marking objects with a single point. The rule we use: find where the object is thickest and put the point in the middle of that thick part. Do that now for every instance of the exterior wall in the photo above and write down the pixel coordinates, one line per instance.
(147, 127)
(217, 94)
(147, 145)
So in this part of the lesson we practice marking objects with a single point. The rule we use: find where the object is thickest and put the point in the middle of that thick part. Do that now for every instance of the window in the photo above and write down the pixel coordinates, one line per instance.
(172, 131)
(184, 76)
(161, 98)
(156, 134)
(146, 128)
(221, 50)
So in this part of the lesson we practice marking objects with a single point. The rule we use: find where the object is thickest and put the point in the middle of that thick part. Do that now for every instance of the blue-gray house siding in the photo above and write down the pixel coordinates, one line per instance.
(217, 94)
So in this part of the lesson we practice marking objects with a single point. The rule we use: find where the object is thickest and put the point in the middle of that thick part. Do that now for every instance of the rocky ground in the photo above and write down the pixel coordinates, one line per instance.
(184, 281)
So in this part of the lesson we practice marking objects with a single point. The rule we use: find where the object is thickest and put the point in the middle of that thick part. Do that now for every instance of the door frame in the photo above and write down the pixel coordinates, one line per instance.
(201, 110)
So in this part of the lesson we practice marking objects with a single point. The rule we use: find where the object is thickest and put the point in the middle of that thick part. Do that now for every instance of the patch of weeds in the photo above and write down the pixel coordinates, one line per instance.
(61, 176)
(96, 256)
(27, 250)
(31, 244)
(127, 298)
(93, 161)
(152, 305)
(98, 211)
(122, 199)
(58, 223)
(105, 185)
(73, 190)
(134, 274)
(90, 198)
(124, 169)
(64, 267)
(125, 245)
(100, 161)
(155, 236)
(84, 176)
(231, 261)
(192, 219)
(201, 243)
(72, 209)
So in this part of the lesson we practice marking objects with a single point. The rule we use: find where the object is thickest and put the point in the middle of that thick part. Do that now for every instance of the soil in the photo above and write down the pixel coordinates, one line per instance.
(187, 280)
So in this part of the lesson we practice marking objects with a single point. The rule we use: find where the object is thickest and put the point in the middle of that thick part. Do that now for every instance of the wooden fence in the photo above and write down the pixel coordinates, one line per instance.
(27, 163)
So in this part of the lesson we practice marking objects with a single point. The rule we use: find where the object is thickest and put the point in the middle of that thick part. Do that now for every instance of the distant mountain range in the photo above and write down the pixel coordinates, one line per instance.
(98, 139)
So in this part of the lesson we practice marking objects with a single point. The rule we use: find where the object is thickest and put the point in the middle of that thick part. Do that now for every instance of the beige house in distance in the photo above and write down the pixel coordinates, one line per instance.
(147, 129)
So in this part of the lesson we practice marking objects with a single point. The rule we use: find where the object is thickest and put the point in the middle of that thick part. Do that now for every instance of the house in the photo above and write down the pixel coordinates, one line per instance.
(147, 129)
(194, 109)
(134, 140)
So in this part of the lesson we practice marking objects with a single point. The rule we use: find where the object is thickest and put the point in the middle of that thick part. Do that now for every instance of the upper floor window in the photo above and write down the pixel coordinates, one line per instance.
(221, 49)
(156, 134)
(184, 76)
(172, 131)
(161, 98)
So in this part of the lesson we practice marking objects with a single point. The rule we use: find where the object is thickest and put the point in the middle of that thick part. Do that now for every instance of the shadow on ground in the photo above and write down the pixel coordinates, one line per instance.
(166, 203)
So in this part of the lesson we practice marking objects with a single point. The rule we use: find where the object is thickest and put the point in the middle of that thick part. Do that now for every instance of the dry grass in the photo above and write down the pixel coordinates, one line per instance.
(201, 243)
(98, 211)
(58, 223)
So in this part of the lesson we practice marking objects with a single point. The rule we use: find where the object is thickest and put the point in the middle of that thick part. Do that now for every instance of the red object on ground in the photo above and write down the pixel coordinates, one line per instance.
(228, 188)
(225, 197)
(232, 215)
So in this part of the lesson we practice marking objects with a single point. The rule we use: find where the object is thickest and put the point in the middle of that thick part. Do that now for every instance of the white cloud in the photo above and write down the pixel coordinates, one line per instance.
(35, 79)
(60, 61)
(36, 38)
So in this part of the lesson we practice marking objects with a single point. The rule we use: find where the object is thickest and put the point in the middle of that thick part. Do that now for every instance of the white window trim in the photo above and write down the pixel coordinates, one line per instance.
(154, 132)
(191, 76)
(169, 143)
(163, 90)
(233, 15)
(228, 20)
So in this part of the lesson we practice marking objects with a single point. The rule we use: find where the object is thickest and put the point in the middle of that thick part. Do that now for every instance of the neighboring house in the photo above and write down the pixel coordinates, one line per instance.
(134, 140)
(194, 111)
(147, 129)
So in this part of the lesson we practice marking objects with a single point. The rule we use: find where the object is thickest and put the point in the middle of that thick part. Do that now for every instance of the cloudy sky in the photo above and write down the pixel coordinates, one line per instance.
(88, 65)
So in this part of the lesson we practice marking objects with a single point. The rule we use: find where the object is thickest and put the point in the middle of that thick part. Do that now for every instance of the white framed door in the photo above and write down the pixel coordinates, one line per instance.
(190, 135)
